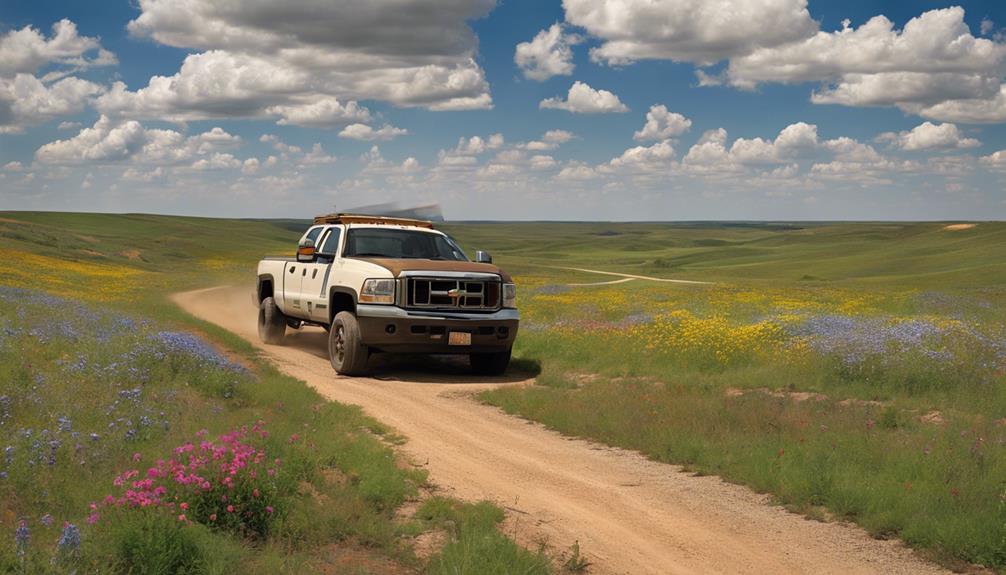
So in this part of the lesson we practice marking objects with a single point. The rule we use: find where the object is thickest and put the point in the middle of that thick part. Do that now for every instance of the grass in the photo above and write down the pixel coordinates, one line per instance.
(100, 375)
(851, 370)
(854, 371)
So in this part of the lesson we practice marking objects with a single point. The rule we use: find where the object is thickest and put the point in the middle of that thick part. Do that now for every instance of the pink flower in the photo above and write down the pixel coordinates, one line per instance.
(181, 517)
(93, 518)
(230, 509)
(268, 509)
(137, 456)
(213, 516)
(184, 506)
(254, 492)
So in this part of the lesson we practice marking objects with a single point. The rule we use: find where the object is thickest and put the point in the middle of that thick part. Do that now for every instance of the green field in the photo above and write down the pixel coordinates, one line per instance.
(103, 386)
(852, 370)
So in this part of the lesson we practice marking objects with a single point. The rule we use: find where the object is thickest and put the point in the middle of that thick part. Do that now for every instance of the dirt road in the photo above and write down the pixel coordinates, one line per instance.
(629, 514)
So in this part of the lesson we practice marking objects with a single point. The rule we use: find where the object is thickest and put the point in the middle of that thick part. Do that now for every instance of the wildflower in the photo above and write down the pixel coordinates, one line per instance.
(93, 518)
(22, 535)
(69, 539)
(184, 506)
(230, 509)
(213, 516)
(268, 509)
(137, 457)
(181, 517)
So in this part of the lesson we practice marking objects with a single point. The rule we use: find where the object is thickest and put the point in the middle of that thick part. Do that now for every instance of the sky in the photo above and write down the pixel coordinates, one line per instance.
(510, 110)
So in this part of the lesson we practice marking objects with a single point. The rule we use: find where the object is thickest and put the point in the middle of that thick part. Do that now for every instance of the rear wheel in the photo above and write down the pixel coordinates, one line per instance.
(271, 322)
(494, 363)
(345, 345)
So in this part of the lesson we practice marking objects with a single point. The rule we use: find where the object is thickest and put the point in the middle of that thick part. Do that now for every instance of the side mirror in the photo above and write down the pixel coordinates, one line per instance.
(483, 257)
(305, 251)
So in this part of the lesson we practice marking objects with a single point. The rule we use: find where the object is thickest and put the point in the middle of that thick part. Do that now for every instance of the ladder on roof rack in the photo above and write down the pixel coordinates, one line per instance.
(341, 218)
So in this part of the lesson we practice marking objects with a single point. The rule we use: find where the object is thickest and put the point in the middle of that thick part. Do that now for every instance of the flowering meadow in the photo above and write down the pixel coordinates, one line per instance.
(128, 447)
(132, 444)
(852, 371)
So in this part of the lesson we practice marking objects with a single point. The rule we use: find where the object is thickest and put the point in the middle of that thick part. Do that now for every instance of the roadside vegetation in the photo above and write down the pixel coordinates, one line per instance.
(139, 440)
(853, 371)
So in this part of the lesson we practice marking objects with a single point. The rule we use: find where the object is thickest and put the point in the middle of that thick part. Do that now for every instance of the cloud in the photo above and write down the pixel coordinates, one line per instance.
(932, 60)
(26, 101)
(699, 31)
(582, 99)
(995, 161)
(547, 54)
(970, 110)
(26, 50)
(928, 136)
(321, 112)
(13, 167)
(653, 158)
(110, 141)
(550, 140)
(307, 63)
(367, 133)
(662, 124)
(317, 156)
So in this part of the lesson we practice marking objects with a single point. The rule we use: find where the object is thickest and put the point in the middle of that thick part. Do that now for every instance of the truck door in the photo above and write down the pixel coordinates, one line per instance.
(313, 293)
(293, 281)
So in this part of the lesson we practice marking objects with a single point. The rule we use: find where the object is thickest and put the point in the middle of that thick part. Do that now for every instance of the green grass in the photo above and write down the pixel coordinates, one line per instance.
(474, 544)
(70, 360)
(677, 372)
(719, 402)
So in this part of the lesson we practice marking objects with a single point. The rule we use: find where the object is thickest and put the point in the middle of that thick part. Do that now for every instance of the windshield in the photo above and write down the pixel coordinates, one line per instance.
(395, 243)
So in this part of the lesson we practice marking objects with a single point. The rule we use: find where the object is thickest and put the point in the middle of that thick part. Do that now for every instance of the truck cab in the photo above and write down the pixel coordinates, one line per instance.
(380, 284)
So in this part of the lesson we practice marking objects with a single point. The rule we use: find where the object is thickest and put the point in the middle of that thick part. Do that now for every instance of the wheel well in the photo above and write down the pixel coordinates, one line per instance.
(340, 301)
(265, 288)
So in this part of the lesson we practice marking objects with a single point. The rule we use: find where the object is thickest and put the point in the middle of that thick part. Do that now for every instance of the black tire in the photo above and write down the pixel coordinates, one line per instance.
(271, 322)
(494, 363)
(345, 345)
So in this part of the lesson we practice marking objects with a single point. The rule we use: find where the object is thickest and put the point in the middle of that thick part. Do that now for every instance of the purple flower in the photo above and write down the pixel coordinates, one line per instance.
(22, 535)
(69, 539)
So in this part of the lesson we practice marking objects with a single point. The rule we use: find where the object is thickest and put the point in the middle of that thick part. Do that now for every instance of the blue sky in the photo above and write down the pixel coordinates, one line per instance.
(583, 109)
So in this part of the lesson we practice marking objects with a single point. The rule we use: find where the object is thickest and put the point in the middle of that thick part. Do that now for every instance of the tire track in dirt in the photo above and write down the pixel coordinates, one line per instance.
(629, 514)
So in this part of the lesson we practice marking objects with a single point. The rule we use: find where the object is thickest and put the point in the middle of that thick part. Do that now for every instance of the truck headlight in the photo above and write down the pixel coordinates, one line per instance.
(378, 291)
(510, 296)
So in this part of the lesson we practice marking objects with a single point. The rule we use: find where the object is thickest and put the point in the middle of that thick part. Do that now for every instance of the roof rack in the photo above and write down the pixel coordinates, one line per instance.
(342, 218)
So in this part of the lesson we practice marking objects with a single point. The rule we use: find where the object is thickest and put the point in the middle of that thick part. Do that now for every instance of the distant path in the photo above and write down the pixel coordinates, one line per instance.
(630, 276)
(629, 514)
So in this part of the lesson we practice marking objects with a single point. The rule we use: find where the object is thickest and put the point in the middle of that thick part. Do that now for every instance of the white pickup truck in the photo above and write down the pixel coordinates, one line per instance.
(380, 284)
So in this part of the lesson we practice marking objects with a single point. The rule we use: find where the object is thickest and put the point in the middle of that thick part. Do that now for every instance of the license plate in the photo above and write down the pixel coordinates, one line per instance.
(459, 338)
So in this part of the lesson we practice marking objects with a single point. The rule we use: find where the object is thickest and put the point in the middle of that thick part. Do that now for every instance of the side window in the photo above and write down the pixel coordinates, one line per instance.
(313, 233)
(331, 243)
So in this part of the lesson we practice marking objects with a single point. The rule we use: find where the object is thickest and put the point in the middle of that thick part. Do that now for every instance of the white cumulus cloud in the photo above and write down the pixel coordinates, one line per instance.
(368, 133)
(547, 54)
(700, 31)
(582, 99)
(662, 124)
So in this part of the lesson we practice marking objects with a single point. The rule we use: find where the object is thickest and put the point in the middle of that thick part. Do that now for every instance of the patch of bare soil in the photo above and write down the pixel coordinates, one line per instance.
(933, 418)
(797, 396)
(132, 254)
(629, 514)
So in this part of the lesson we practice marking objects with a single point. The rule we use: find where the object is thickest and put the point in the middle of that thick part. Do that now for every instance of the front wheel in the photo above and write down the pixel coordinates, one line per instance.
(271, 322)
(494, 363)
(345, 345)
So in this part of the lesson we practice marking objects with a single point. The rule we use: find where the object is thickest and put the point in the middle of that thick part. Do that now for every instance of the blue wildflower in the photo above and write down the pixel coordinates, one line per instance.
(22, 536)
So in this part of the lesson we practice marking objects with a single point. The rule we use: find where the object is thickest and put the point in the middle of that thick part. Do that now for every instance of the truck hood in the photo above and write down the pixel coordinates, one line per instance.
(397, 266)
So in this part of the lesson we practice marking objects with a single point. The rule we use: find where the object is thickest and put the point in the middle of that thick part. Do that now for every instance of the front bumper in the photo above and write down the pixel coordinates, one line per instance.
(393, 329)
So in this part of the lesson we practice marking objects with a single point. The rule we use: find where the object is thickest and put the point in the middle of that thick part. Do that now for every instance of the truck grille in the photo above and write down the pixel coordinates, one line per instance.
(455, 294)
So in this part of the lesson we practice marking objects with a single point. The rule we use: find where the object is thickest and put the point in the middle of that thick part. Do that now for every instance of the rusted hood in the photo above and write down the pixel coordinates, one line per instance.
(397, 266)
